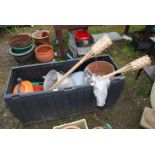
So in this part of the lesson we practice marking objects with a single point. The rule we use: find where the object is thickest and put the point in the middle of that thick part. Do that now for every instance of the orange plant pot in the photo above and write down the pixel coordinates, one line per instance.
(24, 87)
(44, 53)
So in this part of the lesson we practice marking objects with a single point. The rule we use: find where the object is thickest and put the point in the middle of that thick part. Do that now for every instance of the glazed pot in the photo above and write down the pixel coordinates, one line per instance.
(23, 57)
(41, 37)
(20, 40)
(22, 49)
(44, 53)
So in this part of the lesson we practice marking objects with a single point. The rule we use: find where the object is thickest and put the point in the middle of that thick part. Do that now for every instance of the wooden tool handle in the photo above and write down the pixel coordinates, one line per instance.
(121, 70)
(134, 65)
(65, 75)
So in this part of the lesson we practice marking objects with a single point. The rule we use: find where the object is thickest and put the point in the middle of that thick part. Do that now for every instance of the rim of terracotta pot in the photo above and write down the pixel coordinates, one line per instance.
(35, 37)
(22, 48)
(25, 37)
(42, 46)
(94, 64)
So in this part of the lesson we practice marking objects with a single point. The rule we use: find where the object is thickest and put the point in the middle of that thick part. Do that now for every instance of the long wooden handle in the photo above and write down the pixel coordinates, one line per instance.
(96, 49)
(65, 75)
(134, 65)
(121, 70)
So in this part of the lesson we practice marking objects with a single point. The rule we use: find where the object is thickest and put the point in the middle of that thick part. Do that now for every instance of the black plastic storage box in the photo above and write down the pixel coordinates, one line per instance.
(48, 105)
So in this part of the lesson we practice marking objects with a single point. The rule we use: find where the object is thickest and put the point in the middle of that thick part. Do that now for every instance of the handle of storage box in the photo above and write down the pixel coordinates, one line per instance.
(69, 89)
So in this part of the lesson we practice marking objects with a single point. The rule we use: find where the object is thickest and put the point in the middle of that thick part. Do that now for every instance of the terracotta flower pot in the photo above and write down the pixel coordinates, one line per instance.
(100, 67)
(41, 37)
(20, 40)
(44, 53)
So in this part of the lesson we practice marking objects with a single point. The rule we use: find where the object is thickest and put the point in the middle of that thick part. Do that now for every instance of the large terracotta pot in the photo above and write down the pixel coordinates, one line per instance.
(44, 53)
(41, 37)
(20, 40)
(100, 67)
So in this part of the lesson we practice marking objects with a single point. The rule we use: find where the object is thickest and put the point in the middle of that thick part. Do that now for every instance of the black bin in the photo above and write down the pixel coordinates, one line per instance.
(48, 105)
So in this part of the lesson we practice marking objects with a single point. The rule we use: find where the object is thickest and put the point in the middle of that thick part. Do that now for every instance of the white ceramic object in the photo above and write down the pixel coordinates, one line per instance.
(101, 90)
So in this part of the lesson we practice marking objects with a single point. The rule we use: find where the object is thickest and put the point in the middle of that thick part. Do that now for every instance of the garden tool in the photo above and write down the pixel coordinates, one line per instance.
(96, 49)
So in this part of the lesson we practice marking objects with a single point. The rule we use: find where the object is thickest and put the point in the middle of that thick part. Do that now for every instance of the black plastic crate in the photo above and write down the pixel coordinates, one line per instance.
(140, 44)
(48, 105)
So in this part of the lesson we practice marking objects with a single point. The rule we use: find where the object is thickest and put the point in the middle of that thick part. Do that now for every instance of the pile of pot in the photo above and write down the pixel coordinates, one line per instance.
(22, 47)
(44, 51)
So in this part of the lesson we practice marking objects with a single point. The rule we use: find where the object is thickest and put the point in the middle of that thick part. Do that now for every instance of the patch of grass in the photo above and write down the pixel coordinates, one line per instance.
(125, 53)
(143, 90)
(141, 86)
(114, 28)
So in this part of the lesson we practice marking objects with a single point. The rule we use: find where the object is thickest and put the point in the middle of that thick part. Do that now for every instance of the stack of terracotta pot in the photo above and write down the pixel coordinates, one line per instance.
(44, 51)
(21, 47)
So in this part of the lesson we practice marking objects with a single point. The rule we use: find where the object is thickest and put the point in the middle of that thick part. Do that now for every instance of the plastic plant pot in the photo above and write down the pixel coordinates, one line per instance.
(37, 86)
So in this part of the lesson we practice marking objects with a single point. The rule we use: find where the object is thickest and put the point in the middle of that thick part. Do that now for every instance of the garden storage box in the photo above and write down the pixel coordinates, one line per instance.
(48, 105)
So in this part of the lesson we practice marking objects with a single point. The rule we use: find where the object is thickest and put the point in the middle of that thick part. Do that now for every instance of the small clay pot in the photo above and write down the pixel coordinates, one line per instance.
(41, 37)
(44, 53)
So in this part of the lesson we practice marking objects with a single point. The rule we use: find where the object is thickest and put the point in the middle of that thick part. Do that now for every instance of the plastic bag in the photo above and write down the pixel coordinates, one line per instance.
(52, 76)
(100, 89)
